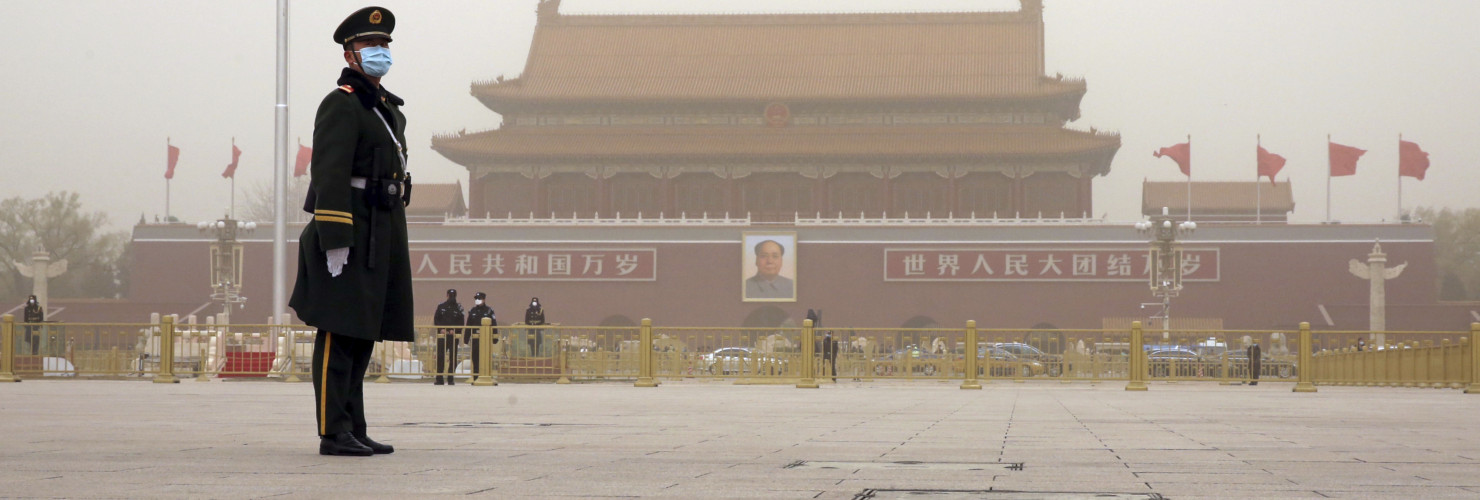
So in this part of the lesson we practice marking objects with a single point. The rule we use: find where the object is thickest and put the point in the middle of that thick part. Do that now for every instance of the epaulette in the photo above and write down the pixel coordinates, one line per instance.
(347, 89)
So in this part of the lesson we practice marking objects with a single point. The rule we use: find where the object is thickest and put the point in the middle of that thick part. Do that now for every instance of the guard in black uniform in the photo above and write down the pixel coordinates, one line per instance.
(535, 315)
(354, 267)
(34, 314)
(449, 313)
(1255, 359)
(479, 311)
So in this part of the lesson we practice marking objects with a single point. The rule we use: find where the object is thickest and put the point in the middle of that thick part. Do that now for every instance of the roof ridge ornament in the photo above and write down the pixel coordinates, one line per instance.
(548, 10)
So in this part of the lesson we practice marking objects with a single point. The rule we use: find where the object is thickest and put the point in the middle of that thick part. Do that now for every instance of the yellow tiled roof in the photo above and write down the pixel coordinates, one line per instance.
(784, 57)
(1005, 141)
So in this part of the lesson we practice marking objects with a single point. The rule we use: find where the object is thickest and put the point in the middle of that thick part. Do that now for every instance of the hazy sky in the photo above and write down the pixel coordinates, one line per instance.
(93, 88)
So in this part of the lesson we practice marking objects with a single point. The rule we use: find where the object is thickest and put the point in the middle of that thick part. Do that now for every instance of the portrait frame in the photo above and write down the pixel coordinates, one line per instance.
(748, 241)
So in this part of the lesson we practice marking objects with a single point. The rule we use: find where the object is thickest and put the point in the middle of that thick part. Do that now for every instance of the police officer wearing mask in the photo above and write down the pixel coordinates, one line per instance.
(535, 315)
(449, 313)
(479, 311)
(354, 267)
(34, 314)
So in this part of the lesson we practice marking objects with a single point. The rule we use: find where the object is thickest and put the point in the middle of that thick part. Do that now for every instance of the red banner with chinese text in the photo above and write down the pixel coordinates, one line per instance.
(1039, 264)
(517, 264)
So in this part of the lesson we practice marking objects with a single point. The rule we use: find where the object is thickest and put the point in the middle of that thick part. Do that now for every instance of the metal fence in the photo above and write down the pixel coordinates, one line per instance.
(168, 351)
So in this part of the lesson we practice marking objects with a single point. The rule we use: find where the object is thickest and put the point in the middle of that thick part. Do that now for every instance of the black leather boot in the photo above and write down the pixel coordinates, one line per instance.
(343, 444)
(378, 448)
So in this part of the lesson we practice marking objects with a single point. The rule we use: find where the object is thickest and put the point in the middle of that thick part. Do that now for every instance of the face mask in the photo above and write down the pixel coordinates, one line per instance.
(376, 61)
(534, 304)
(478, 302)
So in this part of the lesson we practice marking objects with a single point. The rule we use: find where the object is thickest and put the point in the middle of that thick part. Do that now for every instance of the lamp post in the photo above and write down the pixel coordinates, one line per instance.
(1166, 261)
(226, 260)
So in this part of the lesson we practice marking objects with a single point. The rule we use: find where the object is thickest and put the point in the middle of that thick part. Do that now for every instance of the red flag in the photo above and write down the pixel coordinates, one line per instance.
(1344, 159)
(1412, 161)
(174, 157)
(1181, 153)
(1270, 164)
(305, 155)
(236, 154)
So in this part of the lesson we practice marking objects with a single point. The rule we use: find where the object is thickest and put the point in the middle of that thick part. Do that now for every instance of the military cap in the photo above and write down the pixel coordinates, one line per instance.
(369, 22)
(480, 296)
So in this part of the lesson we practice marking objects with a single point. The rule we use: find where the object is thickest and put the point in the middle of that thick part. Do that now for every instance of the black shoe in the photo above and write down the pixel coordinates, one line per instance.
(343, 444)
(439, 381)
(378, 448)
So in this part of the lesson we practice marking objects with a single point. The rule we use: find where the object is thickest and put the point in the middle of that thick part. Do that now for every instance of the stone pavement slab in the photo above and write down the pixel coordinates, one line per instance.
(254, 439)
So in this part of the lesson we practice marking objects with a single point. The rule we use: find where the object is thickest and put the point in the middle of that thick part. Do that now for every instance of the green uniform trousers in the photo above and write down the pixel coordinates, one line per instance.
(339, 364)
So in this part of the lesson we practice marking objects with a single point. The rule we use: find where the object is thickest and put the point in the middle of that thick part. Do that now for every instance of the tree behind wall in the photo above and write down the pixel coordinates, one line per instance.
(259, 199)
(95, 260)
(1457, 238)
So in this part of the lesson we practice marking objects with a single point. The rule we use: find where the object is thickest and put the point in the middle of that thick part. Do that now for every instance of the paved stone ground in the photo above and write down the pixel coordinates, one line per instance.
(712, 439)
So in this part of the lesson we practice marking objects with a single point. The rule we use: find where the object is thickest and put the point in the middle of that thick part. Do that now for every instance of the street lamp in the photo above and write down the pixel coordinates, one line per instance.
(1165, 261)
(226, 260)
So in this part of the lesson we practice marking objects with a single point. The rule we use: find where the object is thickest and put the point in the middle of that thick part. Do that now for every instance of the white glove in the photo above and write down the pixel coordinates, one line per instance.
(338, 257)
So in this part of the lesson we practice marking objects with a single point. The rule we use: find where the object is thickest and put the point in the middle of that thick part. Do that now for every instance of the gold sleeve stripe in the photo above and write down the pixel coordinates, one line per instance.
(327, 218)
(335, 212)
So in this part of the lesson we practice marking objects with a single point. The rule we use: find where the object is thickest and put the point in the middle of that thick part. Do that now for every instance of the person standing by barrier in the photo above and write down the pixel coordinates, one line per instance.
(535, 315)
(354, 263)
(34, 315)
(449, 313)
(830, 355)
(479, 311)
(1254, 361)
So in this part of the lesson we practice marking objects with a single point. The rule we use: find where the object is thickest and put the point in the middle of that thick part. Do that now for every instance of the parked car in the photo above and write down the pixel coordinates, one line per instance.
(1054, 363)
(1179, 362)
(1007, 364)
(921, 362)
(741, 360)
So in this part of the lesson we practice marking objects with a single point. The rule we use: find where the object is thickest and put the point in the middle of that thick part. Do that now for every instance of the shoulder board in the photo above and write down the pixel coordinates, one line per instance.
(347, 89)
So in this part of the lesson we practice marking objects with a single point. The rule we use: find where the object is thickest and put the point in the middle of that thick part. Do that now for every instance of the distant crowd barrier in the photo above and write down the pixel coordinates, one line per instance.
(168, 351)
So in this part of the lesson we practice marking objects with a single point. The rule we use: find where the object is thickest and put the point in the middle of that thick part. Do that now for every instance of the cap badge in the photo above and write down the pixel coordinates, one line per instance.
(375, 17)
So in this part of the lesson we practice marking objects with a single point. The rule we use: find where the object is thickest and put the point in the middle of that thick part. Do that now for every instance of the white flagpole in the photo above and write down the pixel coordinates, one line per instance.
(167, 147)
(1400, 177)
(1328, 177)
(1258, 183)
(1189, 177)
(279, 174)
(232, 210)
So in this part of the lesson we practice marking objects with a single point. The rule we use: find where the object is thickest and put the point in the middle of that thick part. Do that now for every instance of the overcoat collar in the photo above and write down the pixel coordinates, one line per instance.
(366, 91)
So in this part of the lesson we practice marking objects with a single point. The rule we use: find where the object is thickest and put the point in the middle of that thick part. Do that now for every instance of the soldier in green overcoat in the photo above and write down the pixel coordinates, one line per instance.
(354, 269)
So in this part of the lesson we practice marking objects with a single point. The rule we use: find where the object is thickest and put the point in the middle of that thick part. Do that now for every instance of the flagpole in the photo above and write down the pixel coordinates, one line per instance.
(1328, 178)
(1400, 177)
(167, 147)
(231, 212)
(279, 176)
(1258, 184)
(1189, 177)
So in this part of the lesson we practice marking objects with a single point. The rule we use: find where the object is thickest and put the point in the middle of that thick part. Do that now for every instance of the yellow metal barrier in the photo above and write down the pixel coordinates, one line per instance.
(1473, 360)
(168, 349)
(645, 353)
(1137, 359)
(1306, 383)
(8, 345)
(486, 340)
(971, 357)
(1419, 363)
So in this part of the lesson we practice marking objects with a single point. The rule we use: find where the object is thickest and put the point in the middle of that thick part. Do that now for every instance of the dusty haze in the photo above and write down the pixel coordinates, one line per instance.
(95, 87)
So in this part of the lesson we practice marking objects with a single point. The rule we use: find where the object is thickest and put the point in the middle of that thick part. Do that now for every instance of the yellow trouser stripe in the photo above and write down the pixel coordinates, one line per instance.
(327, 218)
(334, 212)
(324, 386)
